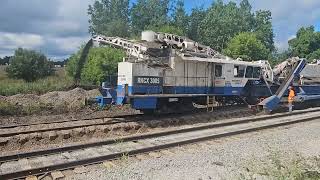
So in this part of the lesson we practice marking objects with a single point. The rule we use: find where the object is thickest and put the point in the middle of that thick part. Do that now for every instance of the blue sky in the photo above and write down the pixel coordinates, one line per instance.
(58, 27)
(317, 26)
(189, 4)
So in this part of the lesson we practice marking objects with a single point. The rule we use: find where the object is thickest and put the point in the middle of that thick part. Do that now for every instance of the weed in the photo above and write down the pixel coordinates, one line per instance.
(280, 168)
(8, 108)
(118, 141)
(124, 156)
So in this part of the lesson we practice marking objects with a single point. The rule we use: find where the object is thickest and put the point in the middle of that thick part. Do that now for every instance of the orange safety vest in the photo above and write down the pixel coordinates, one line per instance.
(291, 96)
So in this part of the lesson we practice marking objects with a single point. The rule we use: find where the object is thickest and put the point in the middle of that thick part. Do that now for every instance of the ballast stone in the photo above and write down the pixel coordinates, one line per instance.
(31, 178)
(52, 135)
(56, 175)
(23, 138)
(65, 134)
(4, 141)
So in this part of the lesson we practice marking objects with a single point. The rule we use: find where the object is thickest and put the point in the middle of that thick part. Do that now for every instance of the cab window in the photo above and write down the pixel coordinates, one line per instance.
(256, 72)
(218, 70)
(239, 71)
(249, 72)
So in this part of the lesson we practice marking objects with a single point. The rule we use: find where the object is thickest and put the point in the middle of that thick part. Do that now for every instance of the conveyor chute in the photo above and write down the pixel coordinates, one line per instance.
(272, 102)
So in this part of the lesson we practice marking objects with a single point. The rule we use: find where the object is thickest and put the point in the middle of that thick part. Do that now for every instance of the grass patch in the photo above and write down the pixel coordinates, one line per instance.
(7, 108)
(279, 166)
(58, 82)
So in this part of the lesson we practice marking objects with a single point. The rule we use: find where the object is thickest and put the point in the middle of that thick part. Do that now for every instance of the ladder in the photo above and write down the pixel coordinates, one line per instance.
(211, 103)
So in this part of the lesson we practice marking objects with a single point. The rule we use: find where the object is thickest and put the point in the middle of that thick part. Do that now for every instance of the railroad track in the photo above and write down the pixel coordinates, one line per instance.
(40, 162)
(138, 115)
(21, 129)
(10, 126)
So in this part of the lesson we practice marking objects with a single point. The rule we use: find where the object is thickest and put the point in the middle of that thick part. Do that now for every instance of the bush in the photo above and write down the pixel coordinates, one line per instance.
(8, 108)
(314, 55)
(101, 62)
(246, 46)
(29, 65)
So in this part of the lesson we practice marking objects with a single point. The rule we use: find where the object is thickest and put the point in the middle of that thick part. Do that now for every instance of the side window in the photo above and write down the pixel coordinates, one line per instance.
(239, 71)
(249, 72)
(256, 72)
(218, 70)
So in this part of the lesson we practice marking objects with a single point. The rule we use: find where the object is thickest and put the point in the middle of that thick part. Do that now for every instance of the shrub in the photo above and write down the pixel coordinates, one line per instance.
(101, 62)
(8, 108)
(247, 46)
(29, 65)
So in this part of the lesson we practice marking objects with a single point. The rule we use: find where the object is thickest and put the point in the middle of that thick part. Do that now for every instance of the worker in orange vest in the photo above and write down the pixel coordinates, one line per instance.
(291, 98)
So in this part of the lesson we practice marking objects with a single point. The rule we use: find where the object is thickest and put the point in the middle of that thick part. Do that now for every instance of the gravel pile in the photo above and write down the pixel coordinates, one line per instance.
(226, 158)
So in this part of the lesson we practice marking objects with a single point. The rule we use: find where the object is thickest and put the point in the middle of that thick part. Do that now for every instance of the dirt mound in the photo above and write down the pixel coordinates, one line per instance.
(23, 99)
(73, 99)
(62, 100)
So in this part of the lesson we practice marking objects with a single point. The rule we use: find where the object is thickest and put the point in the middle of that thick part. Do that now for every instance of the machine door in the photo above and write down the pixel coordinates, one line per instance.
(218, 79)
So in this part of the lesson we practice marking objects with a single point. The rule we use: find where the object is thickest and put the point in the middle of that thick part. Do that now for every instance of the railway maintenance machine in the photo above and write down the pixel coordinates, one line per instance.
(165, 72)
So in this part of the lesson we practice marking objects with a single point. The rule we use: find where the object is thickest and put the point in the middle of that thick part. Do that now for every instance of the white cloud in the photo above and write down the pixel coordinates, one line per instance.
(288, 16)
(70, 44)
(13, 40)
(54, 27)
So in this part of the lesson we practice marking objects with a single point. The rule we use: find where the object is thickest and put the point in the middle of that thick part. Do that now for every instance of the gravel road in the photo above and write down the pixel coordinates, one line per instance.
(226, 158)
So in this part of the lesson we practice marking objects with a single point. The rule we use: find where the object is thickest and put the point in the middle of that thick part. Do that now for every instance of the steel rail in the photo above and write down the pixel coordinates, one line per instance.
(144, 136)
(139, 118)
(99, 159)
(8, 134)
(64, 121)
(103, 117)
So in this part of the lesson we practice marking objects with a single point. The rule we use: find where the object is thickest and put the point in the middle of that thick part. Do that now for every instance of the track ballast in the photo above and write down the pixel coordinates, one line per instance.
(39, 162)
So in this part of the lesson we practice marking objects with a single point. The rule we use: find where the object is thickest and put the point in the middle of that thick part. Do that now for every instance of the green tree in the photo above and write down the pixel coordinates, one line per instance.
(307, 41)
(100, 63)
(263, 29)
(314, 55)
(29, 65)
(180, 18)
(246, 46)
(247, 17)
(223, 22)
(197, 15)
(109, 17)
(73, 63)
(146, 14)
(5, 60)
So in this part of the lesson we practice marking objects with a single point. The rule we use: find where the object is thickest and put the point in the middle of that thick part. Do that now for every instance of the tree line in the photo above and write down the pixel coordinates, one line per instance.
(306, 44)
(233, 29)
(5, 60)
(215, 26)
(29, 65)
